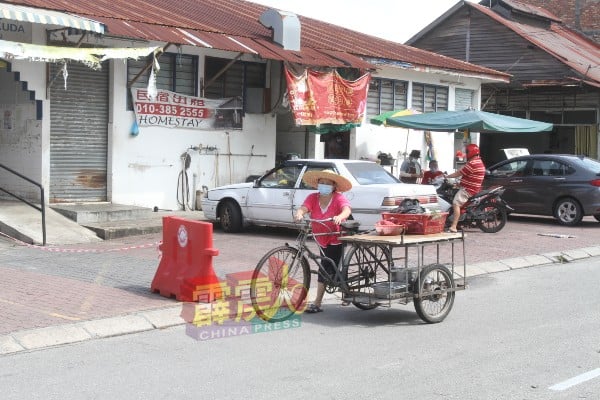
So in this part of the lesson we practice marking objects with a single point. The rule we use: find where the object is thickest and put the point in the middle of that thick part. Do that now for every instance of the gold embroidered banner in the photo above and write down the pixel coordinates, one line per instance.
(326, 98)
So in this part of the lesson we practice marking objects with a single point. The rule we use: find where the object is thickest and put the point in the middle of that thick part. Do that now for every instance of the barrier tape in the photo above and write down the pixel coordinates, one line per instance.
(62, 250)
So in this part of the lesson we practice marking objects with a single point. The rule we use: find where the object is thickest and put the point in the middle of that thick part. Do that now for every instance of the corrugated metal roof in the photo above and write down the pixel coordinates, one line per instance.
(531, 10)
(234, 25)
(571, 48)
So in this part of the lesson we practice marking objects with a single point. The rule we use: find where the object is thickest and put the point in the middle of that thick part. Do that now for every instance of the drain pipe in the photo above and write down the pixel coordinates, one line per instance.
(229, 156)
(182, 181)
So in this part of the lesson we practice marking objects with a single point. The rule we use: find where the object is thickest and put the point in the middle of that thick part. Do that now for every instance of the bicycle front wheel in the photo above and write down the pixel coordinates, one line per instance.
(280, 284)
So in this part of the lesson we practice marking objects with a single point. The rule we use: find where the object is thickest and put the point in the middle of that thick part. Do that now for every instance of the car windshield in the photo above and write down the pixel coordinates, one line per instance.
(282, 177)
(370, 173)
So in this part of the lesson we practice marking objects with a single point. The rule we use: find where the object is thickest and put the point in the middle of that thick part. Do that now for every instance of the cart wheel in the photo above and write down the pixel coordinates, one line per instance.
(280, 284)
(365, 265)
(434, 305)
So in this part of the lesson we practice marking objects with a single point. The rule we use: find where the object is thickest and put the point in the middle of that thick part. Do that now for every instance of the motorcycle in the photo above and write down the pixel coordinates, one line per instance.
(485, 210)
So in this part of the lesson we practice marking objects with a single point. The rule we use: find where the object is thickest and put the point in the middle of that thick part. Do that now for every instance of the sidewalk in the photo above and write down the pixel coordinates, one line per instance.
(58, 295)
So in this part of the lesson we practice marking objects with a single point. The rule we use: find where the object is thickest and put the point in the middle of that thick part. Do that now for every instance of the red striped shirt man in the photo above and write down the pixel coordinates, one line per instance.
(472, 175)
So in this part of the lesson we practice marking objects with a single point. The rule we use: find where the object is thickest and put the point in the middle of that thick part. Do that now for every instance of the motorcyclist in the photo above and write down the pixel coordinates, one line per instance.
(471, 174)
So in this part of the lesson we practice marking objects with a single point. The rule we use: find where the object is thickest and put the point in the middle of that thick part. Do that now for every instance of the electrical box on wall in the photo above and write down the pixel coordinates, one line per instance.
(257, 100)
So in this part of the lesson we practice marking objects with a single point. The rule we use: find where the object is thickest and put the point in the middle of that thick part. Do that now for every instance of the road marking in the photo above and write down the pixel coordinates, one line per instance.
(576, 380)
(64, 317)
(38, 310)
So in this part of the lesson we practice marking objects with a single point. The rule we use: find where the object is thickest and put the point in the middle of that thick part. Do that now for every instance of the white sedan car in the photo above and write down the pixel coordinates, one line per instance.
(272, 199)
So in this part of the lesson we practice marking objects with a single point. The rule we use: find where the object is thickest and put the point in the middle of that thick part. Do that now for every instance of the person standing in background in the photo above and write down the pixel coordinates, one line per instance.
(410, 170)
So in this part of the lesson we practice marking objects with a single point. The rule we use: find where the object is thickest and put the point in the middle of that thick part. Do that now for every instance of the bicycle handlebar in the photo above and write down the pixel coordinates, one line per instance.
(307, 226)
(345, 229)
(318, 220)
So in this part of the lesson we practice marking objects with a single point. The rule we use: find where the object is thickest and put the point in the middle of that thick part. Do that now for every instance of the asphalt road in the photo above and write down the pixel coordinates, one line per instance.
(528, 334)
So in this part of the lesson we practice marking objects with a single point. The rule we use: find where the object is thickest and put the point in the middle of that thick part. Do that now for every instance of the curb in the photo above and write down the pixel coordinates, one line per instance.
(41, 338)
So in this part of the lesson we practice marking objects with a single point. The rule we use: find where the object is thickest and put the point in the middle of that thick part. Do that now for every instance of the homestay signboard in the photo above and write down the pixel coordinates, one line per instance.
(174, 110)
(326, 98)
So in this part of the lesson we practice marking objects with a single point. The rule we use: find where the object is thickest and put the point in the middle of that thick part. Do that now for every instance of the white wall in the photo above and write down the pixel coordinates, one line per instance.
(21, 134)
(24, 147)
(144, 169)
(370, 139)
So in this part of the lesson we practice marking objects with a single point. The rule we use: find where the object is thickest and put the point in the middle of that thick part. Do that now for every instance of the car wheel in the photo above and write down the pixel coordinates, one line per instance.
(597, 216)
(230, 217)
(568, 211)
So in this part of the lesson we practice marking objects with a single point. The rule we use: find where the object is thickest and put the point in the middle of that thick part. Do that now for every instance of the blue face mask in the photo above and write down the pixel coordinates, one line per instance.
(324, 189)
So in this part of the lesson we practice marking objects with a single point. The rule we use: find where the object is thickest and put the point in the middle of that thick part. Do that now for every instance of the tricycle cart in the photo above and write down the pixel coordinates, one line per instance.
(373, 272)
(378, 276)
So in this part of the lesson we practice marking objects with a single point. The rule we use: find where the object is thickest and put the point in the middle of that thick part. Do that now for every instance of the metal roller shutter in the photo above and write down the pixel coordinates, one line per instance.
(78, 134)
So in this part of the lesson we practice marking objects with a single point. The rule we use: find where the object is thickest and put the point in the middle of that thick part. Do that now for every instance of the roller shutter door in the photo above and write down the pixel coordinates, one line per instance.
(78, 134)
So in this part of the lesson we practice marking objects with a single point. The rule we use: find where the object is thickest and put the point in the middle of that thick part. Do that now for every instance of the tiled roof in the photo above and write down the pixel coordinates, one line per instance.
(234, 25)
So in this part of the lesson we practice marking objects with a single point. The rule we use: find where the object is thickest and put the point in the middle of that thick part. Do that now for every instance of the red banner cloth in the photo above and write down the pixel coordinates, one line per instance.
(326, 98)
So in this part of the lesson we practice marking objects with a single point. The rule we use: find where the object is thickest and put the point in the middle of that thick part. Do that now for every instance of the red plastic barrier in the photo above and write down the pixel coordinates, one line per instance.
(186, 269)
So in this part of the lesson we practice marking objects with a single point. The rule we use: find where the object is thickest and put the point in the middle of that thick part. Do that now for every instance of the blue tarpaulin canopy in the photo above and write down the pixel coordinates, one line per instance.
(472, 120)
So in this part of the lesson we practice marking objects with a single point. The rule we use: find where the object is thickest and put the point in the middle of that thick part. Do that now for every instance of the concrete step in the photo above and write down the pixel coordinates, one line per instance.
(139, 226)
(91, 213)
(95, 221)
(24, 223)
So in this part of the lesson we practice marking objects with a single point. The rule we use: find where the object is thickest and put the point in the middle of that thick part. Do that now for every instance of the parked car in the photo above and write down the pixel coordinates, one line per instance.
(564, 186)
(272, 199)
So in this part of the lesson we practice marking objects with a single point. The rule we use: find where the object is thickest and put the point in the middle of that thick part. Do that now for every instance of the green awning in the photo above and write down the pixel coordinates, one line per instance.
(472, 120)
(324, 129)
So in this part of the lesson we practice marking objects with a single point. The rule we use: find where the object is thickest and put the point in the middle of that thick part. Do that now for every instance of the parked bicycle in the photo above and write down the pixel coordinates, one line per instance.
(281, 279)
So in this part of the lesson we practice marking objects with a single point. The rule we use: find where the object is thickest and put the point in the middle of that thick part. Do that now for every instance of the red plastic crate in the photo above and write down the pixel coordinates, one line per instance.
(419, 224)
